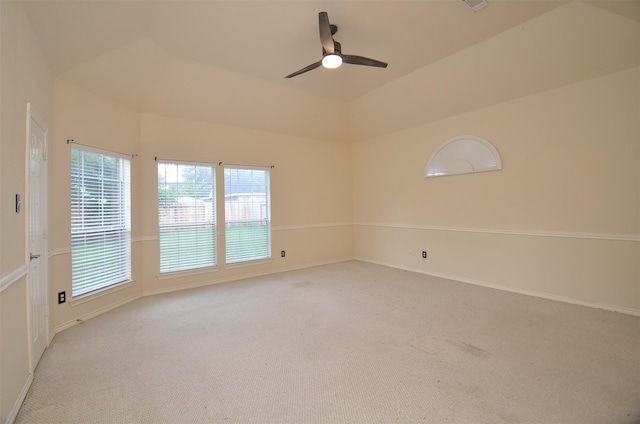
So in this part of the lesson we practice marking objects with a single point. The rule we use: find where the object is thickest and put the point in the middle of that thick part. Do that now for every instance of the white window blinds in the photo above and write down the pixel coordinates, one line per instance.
(187, 216)
(247, 214)
(100, 220)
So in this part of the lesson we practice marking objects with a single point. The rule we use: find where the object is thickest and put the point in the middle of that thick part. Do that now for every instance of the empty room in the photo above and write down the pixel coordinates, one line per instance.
(351, 211)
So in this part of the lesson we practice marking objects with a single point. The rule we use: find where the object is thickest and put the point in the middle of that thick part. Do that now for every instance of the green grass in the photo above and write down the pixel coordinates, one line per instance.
(95, 263)
(247, 242)
(244, 242)
(178, 249)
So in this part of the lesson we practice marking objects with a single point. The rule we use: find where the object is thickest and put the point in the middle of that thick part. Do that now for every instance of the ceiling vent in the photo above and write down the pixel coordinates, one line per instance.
(475, 5)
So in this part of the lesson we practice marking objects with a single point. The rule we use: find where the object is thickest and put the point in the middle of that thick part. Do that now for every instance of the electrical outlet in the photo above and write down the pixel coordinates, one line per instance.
(282, 254)
(62, 297)
(424, 254)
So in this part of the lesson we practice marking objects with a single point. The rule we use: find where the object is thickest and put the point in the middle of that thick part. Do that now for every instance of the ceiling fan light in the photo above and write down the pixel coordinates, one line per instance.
(332, 61)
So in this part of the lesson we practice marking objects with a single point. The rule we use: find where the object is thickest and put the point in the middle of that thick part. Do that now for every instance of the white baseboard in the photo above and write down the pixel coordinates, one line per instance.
(100, 311)
(243, 277)
(123, 302)
(622, 310)
(23, 395)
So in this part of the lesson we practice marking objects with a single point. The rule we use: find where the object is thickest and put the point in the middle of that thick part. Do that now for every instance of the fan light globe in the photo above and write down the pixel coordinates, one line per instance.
(331, 61)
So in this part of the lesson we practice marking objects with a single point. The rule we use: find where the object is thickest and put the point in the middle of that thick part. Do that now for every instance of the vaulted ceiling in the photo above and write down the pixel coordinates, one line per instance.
(164, 55)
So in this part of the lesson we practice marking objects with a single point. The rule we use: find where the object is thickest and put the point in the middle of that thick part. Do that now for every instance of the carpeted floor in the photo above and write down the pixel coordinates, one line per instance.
(345, 343)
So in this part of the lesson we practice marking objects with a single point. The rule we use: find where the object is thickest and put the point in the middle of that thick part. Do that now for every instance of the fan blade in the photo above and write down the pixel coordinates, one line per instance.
(359, 60)
(325, 33)
(305, 69)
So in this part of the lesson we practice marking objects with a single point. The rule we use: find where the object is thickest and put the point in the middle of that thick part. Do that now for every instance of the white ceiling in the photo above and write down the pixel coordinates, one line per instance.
(126, 49)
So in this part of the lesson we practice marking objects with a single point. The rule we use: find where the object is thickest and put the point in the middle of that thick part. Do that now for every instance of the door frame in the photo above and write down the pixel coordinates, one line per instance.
(34, 117)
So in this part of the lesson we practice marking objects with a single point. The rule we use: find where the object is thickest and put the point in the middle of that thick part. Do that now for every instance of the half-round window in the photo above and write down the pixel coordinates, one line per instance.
(463, 155)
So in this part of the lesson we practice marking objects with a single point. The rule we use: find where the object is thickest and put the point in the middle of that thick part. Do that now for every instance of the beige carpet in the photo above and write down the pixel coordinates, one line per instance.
(343, 343)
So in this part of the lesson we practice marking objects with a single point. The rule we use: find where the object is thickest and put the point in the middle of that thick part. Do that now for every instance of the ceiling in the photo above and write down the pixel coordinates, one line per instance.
(270, 39)
(124, 48)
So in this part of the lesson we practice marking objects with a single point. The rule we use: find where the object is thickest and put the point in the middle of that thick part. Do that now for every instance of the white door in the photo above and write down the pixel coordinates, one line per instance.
(36, 202)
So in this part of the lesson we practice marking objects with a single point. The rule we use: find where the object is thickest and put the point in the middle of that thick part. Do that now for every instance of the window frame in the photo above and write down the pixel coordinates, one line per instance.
(247, 260)
(87, 273)
(170, 271)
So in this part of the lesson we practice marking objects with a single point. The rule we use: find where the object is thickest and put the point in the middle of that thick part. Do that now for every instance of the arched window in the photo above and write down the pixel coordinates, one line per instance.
(463, 155)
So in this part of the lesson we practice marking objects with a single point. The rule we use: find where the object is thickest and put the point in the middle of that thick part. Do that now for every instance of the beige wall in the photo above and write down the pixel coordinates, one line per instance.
(92, 121)
(192, 90)
(145, 77)
(24, 77)
(560, 220)
(311, 206)
(310, 193)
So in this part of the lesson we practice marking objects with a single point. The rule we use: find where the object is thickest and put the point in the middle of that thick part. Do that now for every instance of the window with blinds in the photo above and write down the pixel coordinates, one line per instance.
(247, 214)
(187, 216)
(100, 220)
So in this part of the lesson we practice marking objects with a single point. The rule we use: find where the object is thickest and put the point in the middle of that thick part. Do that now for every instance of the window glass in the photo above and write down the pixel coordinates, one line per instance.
(247, 214)
(187, 216)
(100, 220)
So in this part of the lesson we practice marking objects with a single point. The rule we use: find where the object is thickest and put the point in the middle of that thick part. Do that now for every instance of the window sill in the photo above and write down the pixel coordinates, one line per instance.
(83, 298)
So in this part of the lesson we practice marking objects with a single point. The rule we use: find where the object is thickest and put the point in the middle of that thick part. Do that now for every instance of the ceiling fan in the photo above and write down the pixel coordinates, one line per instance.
(332, 56)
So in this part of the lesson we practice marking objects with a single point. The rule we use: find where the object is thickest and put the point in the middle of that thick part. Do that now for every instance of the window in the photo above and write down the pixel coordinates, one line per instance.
(247, 214)
(100, 220)
(187, 216)
(463, 155)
